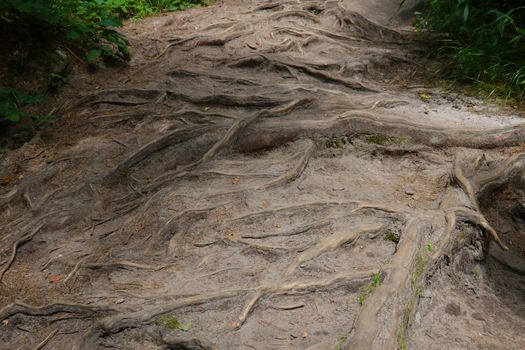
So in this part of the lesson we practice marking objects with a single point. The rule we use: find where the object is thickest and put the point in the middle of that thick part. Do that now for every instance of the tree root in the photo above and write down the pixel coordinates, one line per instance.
(46, 340)
(122, 321)
(295, 231)
(171, 227)
(297, 287)
(331, 243)
(174, 137)
(16, 245)
(472, 191)
(260, 59)
(370, 332)
(270, 132)
(238, 126)
(29, 310)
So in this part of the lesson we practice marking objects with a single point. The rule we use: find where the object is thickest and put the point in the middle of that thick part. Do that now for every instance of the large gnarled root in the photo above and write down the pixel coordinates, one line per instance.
(29, 310)
(472, 190)
(137, 318)
(377, 324)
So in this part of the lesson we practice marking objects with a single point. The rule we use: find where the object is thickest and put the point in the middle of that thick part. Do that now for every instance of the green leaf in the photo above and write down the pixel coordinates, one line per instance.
(13, 116)
(465, 13)
(93, 55)
(73, 34)
(112, 22)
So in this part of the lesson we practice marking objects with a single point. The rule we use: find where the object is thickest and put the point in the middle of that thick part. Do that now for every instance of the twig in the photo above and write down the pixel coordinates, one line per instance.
(46, 340)
(17, 244)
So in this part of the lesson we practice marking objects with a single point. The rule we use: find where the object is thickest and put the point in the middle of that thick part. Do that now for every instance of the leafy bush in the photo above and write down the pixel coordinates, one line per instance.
(86, 25)
(11, 100)
(486, 40)
(143, 8)
(33, 30)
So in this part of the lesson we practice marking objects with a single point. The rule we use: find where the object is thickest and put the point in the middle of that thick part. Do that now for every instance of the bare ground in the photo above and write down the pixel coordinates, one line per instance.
(275, 175)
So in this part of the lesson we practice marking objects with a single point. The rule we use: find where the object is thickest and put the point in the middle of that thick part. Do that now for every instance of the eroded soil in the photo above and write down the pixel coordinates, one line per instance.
(266, 175)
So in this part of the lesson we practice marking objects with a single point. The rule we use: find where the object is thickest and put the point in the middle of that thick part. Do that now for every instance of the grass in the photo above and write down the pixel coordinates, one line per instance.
(483, 43)
(342, 340)
(336, 142)
(392, 236)
(369, 288)
(172, 323)
(138, 9)
(420, 267)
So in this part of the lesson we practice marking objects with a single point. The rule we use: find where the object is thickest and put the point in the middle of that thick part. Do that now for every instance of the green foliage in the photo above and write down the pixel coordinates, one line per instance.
(11, 100)
(420, 267)
(485, 41)
(334, 143)
(143, 8)
(85, 25)
(383, 140)
(392, 236)
(35, 29)
(369, 288)
(172, 323)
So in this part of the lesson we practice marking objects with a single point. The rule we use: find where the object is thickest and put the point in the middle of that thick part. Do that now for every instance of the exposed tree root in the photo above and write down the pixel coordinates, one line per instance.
(377, 324)
(475, 215)
(330, 243)
(174, 137)
(259, 59)
(134, 319)
(278, 72)
(297, 287)
(29, 310)
(295, 231)
(46, 340)
(269, 133)
(16, 245)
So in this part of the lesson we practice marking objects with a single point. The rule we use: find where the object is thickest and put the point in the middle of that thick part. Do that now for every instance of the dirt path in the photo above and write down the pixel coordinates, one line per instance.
(266, 176)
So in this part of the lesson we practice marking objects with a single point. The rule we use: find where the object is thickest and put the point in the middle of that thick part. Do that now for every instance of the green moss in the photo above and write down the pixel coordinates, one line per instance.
(341, 342)
(384, 140)
(172, 323)
(420, 267)
(334, 143)
(476, 271)
(392, 236)
(369, 288)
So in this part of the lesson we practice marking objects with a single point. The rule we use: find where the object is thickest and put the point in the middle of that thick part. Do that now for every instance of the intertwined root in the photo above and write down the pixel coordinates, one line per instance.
(174, 199)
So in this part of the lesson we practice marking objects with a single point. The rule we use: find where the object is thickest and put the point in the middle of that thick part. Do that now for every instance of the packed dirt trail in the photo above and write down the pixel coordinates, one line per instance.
(266, 175)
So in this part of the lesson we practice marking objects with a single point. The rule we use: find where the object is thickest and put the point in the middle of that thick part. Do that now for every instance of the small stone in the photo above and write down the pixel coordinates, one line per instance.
(418, 317)
(478, 316)
(426, 294)
(453, 309)
(120, 301)
(409, 191)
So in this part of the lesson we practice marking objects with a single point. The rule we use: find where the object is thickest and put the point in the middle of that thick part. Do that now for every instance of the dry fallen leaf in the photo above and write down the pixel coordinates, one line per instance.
(425, 97)
(55, 278)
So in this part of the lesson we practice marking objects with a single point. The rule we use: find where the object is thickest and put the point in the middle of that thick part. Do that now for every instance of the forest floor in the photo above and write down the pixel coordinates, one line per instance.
(267, 175)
